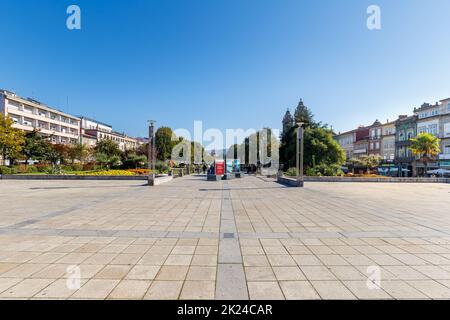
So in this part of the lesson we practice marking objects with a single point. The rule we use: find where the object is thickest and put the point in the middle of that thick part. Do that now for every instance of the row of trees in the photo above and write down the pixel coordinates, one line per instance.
(166, 141)
(17, 145)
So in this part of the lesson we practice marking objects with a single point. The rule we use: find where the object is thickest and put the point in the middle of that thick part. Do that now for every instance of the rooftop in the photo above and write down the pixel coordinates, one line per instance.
(14, 96)
(93, 120)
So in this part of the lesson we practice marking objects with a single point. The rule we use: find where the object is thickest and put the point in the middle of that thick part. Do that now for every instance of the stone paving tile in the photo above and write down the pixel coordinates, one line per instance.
(307, 260)
(317, 273)
(141, 272)
(298, 290)
(95, 289)
(347, 273)
(402, 290)
(198, 290)
(404, 273)
(113, 272)
(265, 290)
(362, 291)
(204, 260)
(126, 258)
(256, 261)
(51, 271)
(288, 273)
(431, 288)
(57, 289)
(26, 288)
(130, 289)
(6, 283)
(178, 260)
(259, 274)
(164, 290)
(332, 290)
(201, 273)
(434, 272)
(23, 270)
(172, 273)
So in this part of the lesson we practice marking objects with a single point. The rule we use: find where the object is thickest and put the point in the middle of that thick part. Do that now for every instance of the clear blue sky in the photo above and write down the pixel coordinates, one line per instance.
(230, 63)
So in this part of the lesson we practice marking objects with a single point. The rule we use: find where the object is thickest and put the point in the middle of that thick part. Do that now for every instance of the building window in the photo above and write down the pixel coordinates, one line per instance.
(14, 118)
(28, 109)
(447, 149)
(42, 125)
(448, 107)
(13, 105)
(27, 121)
(447, 130)
(433, 129)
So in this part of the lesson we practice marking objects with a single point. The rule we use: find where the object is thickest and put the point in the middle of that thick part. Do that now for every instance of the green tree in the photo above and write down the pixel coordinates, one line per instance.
(107, 152)
(56, 153)
(369, 162)
(12, 139)
(36, 147)
(78, 152)
(133, 160)
(319, 146)
(164, 143)
(426, 146)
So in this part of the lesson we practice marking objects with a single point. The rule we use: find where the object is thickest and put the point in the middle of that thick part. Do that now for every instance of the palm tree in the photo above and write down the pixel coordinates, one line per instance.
(426, 146)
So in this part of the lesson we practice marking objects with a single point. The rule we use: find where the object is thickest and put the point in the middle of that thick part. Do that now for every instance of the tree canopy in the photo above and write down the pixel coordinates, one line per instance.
(425, 145)
(12, 140)
(164, 143)
(319, 145)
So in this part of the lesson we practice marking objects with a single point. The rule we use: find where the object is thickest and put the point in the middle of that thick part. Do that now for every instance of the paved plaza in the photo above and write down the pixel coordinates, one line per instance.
(247, 238)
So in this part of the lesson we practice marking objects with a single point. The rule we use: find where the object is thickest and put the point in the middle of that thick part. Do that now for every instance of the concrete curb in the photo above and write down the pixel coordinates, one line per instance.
(292, 181)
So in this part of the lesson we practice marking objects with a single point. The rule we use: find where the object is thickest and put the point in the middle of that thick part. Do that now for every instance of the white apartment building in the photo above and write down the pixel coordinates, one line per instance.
(29, 115)
(100, 131)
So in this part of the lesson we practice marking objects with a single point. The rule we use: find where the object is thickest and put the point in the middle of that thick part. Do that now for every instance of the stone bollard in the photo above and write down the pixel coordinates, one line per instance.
(151, 179)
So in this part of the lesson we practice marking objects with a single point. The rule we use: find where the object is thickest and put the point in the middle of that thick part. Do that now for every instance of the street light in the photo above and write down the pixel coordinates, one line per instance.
(299, 159)
(151, 152)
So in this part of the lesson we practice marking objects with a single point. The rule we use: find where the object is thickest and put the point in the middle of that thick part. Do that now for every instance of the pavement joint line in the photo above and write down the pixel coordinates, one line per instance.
(231, 282)
(192, 235)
